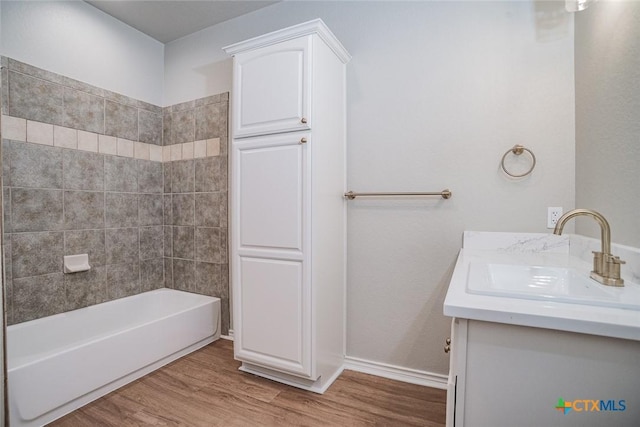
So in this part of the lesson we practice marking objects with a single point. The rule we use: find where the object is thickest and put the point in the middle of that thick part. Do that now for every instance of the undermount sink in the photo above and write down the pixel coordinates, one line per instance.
(560, 284)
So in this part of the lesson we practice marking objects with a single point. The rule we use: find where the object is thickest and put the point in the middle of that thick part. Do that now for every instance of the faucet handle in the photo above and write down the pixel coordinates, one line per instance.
(598, 262)
(613, 269)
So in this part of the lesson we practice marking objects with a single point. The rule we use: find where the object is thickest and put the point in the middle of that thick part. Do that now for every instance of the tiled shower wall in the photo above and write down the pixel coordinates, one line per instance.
(60, 202)
(84, 171)
(195, 199)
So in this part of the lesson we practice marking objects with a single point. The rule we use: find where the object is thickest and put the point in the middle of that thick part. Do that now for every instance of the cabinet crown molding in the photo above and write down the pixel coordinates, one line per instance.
(316, 26)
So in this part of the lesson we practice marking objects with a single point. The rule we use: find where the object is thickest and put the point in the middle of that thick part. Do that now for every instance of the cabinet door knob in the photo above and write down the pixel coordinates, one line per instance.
(303, 140)
(448, 341)
(447, 348)
(303, 120)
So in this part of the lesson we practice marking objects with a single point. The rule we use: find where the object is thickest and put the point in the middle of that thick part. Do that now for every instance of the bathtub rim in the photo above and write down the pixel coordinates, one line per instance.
(11, 363)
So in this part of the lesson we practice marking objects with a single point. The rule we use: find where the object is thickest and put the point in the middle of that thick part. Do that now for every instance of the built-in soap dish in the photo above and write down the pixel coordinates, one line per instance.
(76, 263)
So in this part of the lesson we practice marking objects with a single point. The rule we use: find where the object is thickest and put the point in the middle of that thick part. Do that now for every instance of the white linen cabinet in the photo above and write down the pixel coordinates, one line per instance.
(287, 207)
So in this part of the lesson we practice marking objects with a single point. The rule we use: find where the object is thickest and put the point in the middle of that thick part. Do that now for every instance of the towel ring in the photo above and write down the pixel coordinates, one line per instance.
(517, 150)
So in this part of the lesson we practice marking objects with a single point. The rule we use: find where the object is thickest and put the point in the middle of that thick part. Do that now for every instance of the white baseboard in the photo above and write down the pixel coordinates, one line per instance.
(384, 370)
(398, 373)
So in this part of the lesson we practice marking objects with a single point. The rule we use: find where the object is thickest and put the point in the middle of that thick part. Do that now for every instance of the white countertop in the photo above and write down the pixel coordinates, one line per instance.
(542, 250)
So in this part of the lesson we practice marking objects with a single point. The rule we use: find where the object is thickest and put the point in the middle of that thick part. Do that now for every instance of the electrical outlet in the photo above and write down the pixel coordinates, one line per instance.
(553, 215)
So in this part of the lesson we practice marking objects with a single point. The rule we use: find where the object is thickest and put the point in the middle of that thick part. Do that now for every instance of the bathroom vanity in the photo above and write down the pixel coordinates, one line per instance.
(535, 341)
(288, 210)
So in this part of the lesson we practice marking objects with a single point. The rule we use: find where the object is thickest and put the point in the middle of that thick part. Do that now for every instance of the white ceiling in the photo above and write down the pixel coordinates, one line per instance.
(168, 20)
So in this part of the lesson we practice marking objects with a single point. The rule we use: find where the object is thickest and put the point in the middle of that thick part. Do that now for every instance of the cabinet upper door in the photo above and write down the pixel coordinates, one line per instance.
(271, 89)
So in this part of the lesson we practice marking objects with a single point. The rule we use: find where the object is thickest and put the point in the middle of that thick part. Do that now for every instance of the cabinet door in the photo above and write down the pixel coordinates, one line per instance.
(271, 89)
(270, 235)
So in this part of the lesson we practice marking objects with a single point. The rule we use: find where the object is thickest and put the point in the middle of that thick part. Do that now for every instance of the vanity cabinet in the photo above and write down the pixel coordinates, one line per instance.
(505, 374)
(287, 205)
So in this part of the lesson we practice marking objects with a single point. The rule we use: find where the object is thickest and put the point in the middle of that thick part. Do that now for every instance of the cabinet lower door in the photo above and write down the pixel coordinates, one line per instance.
(272, 314)
(270, 275)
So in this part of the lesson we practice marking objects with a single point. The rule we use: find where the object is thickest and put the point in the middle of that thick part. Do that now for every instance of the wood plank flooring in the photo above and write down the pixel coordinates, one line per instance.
(205, 388)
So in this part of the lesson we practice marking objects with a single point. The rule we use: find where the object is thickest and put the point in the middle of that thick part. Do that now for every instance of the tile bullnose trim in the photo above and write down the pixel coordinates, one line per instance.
(34, 132)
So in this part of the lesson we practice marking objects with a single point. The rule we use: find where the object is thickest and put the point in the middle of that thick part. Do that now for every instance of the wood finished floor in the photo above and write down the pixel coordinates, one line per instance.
(205, 388)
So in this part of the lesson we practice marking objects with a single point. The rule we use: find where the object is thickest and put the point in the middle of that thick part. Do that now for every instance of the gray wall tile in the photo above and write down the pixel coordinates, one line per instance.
(83, 209)
(36, 253)
(150, 208)
(208, 241)
(6, 248)
(150, 127)
(34, 165)
(183, 208)
(89, 242)
(210, 174)
(225, 316)
(208, 279)
(224, 210)
(120, 174)
(166, 126)
(151, 242)
(224, 145)
(121, 121)
(213, 99)
(168, 272)
(39, 296)
(211, 279)
(83, 87)
(121, 210)
(150, 177)
(4, 75)
(83, 111)
(183, 106)
(83, 170)
(123, 280)
(168, 210)
(151, 274)
(223, 123)
(8, 286)
(35, 99)
(183, 275)
(6, 209)
(183, 127)
(182, 176)
(167, 173)
(6, 162)
(207, 122)
(149, 107)
(224, 246)
(207, 212)
(168, 241)
(119, 98)
(85, 288)
(121, 245)
(36, 210)
(24, 68)
(183, 242)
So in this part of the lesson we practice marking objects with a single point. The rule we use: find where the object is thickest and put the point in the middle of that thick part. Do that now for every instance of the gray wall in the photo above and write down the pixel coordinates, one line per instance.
(143, 223)
(607, 70)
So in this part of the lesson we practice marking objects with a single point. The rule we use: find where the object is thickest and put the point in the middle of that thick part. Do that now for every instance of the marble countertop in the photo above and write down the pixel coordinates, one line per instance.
(541, 250)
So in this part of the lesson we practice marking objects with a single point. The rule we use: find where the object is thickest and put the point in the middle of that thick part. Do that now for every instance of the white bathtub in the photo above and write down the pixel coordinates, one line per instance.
(59, 363)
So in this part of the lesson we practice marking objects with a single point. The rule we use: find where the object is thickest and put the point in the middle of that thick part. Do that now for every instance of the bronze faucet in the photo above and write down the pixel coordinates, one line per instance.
(606, 267)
